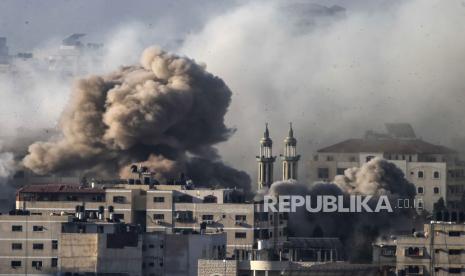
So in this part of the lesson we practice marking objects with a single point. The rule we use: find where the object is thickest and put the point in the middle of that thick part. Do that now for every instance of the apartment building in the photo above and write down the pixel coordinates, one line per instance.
(435, 170)
(439, 250)
(125, 202)
(214, 211)
(80, 245)
(29, 244)
(164, 208)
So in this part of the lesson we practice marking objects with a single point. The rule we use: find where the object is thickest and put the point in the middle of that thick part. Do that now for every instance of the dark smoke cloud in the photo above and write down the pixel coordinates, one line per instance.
(169, 112)
(357, 231)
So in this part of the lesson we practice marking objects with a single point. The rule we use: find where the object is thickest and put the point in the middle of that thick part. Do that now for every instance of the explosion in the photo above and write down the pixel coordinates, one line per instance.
(167, 112)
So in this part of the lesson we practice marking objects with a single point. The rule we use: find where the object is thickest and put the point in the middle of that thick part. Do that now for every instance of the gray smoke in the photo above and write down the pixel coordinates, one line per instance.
(376, 177)
(168, 112)
(336, 72)
(357, 231)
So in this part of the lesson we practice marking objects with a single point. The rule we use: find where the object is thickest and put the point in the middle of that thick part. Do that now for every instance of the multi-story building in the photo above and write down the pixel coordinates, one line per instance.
(215, 211)
(439, 250)
(29, 244)
(80, 245)
(435, 170)
(165, 208)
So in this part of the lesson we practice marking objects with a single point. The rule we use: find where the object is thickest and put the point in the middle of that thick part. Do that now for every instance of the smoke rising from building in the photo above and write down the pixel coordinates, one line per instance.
(336, 72)
(356, 230)
(376, 177)
(168, 111)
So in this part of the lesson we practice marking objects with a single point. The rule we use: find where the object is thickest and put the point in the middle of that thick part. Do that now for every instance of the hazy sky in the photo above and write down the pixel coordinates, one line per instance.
(335, 72)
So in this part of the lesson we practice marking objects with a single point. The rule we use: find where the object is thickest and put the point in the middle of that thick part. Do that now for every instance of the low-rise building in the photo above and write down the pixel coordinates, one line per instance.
(164, 208)
(29, 244)
(79, 245)
(439, 250)
(215, 211)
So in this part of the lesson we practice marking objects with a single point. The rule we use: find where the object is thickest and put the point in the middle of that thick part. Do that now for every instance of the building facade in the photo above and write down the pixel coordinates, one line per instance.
(435, 170)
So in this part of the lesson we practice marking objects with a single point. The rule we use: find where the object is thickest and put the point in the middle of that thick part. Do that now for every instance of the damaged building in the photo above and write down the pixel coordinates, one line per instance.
(435, 170)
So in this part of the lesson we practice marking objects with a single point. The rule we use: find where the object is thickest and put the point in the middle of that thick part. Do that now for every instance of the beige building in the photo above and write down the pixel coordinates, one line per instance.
(64, 244)
(215, 211)
(278, 268)
(439, 250)
(164, 208)
(435, 170)
(29, 244)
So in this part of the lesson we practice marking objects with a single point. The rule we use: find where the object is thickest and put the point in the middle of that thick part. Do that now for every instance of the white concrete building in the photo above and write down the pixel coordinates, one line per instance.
(435, 170)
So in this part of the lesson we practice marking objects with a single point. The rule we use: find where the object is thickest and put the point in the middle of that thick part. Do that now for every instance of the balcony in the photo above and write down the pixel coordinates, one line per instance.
(414, 252)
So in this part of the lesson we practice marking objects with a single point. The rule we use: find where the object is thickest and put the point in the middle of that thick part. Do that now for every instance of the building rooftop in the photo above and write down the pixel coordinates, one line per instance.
(307, 243)
(389, 145)
(60, 188)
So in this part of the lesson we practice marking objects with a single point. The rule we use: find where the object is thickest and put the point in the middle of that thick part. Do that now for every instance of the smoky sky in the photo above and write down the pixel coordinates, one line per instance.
(333, 68)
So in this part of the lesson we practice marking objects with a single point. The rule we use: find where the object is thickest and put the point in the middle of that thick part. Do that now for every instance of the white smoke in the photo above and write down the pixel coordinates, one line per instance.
(7, 165)
(336, 74)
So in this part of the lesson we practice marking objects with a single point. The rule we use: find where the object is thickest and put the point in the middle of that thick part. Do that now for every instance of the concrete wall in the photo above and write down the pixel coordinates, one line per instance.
(27, 237)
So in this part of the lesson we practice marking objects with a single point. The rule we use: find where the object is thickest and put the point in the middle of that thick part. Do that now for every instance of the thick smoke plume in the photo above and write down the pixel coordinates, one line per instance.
(168, 112)
(357, 231)
(376, 177)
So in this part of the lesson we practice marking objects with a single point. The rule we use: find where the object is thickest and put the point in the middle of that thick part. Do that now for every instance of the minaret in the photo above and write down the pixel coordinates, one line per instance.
(290, 157)
(265, 161)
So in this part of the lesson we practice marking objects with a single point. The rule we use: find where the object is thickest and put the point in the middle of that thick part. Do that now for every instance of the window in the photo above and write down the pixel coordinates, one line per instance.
(240, 235)
(210, 199)
(159, 216)
(15, 264)
(323, 173)
(388, 251)
(16, 246)
(315, 157)
(340, 171)
(455, 270)
(352, 159)
(435, 175)
(241, 217)
(38, 246)
(54, 244)
(184, 216)
(436, 190)
(37, 228)
(54, 262)
(119, 199)
(118, 217)
(17, 228)
(420, 174)
(420, 190)
(454, 233)
(207, 217)
(455, 251)
(329, 158)
(158, 199)
(37, 264)
(420, 205)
